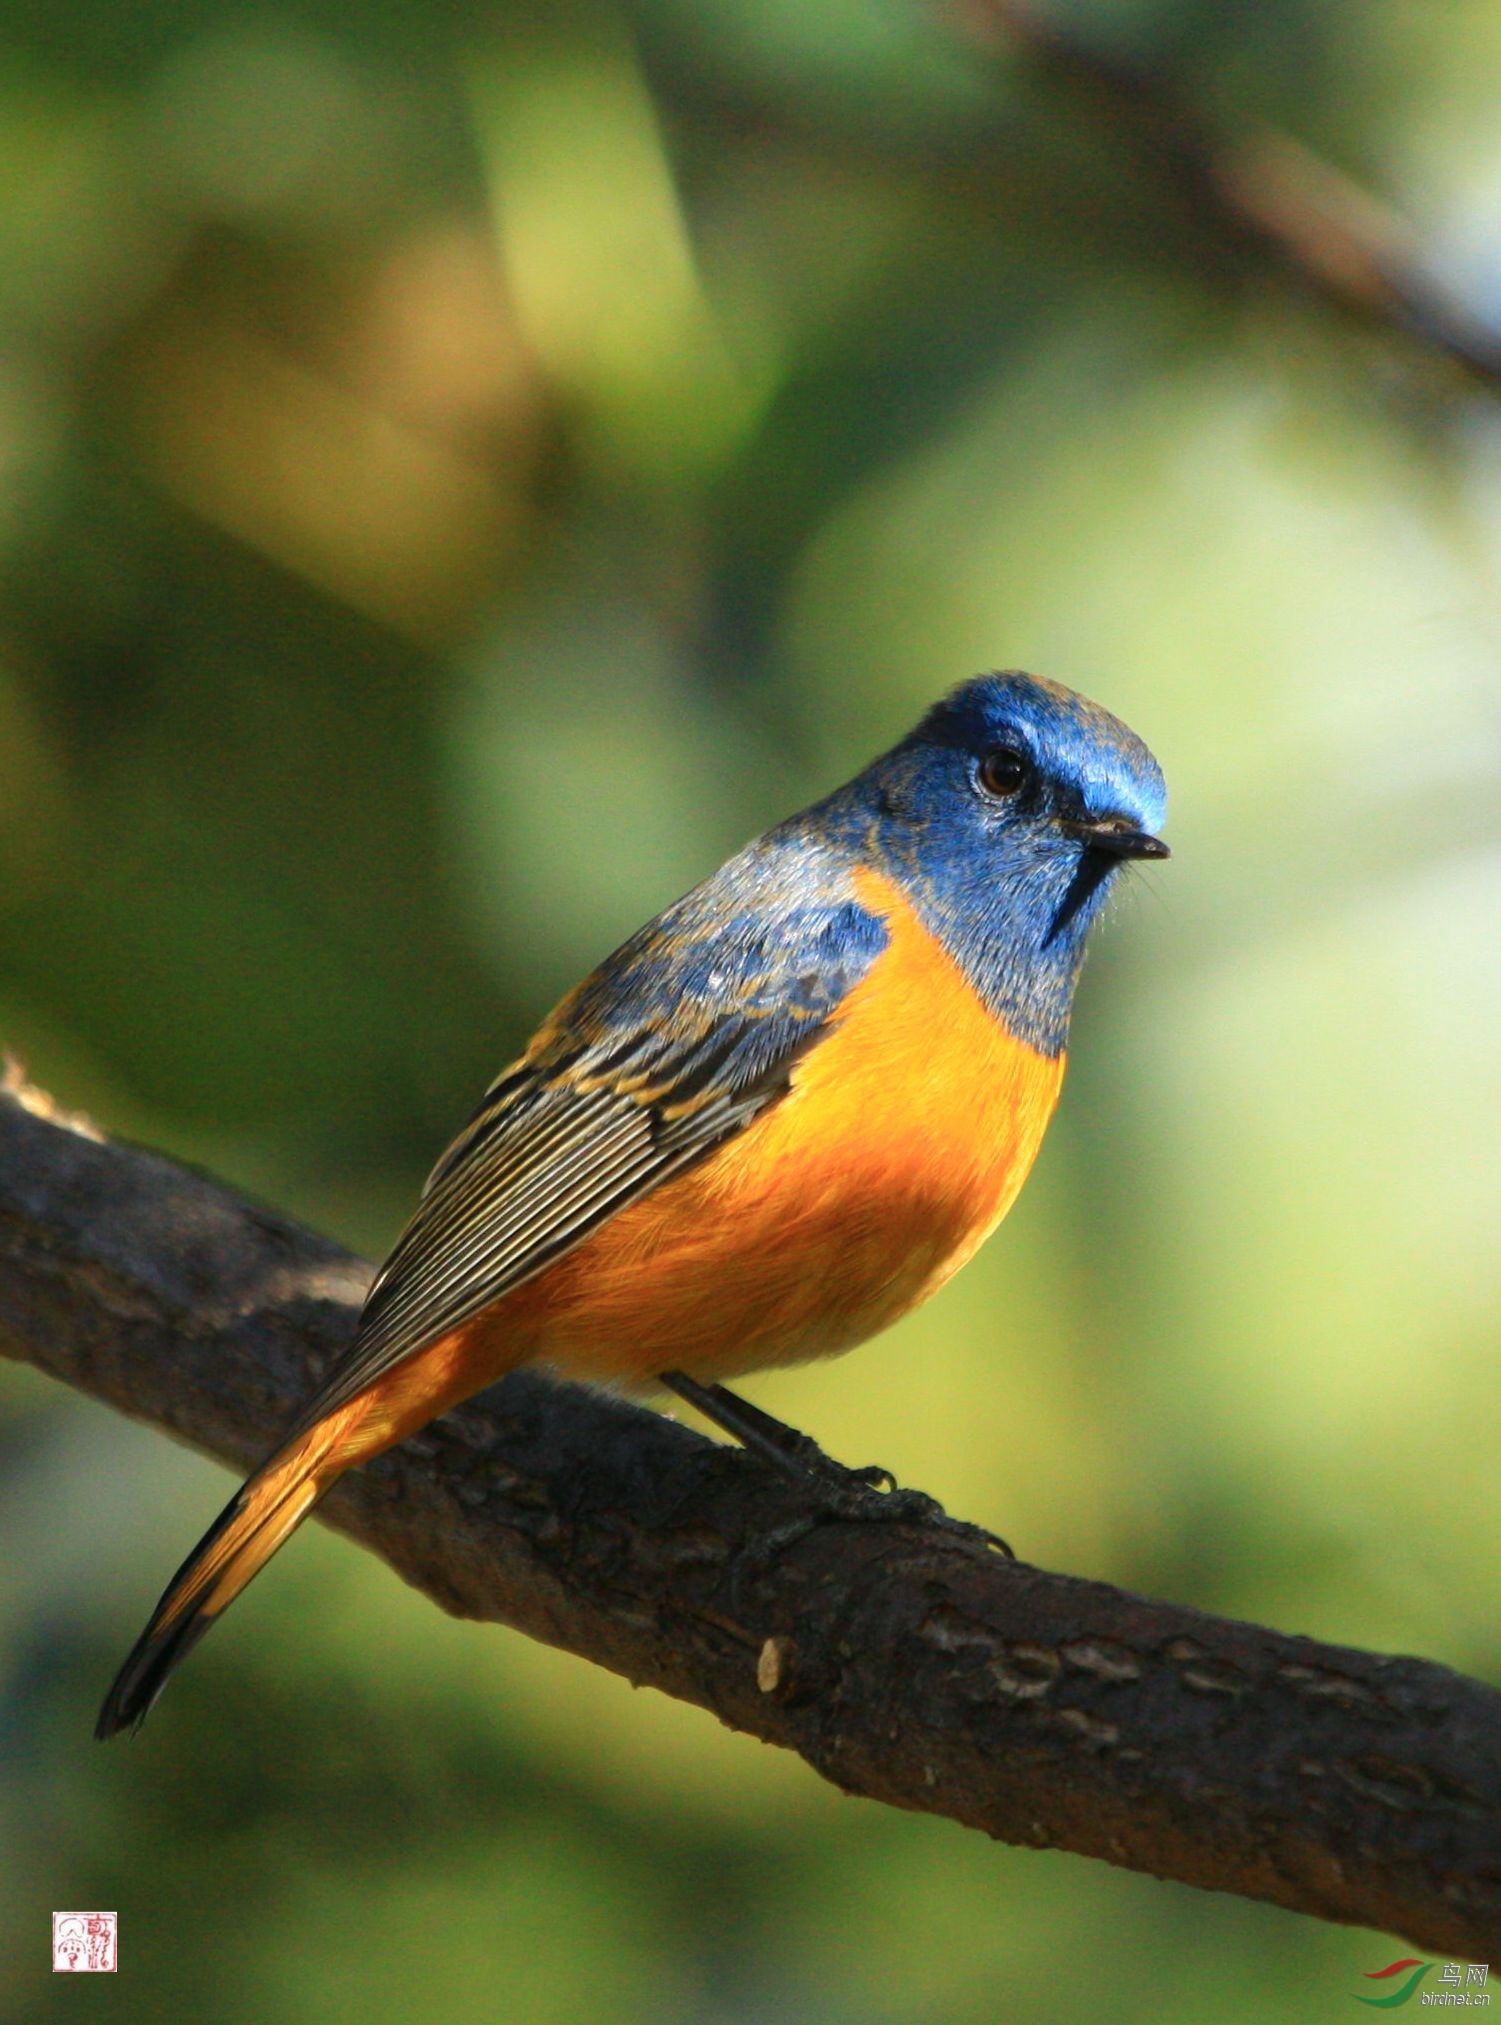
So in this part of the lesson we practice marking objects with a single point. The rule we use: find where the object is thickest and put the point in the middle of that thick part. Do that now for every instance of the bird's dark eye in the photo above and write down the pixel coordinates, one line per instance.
(1004, 771)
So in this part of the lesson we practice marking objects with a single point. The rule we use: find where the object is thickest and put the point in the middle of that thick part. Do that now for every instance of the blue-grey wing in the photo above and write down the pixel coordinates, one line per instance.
(677, 1042)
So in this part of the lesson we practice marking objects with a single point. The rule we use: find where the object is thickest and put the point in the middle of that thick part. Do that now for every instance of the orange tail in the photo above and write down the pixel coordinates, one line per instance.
(237, 1546)
(285, 1489)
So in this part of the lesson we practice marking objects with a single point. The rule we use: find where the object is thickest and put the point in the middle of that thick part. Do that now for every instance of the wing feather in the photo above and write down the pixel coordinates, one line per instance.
(675, 1044)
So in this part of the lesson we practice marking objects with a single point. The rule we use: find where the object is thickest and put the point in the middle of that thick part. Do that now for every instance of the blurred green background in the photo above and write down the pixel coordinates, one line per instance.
(462, 469)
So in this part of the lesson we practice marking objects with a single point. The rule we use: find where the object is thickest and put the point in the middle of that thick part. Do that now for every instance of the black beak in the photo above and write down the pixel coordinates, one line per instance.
(1116, 836)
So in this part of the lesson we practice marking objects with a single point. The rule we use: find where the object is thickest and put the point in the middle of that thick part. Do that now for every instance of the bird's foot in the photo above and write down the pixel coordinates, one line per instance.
(839, 1492)
(873, 1493)
(863, 1497)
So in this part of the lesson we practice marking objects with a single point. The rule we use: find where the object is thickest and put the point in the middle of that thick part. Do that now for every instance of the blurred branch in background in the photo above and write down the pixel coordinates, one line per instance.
(1257, 189)
(904, 1665)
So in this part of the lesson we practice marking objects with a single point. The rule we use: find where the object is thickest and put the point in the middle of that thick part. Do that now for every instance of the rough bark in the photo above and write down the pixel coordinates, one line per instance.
(902, 1663)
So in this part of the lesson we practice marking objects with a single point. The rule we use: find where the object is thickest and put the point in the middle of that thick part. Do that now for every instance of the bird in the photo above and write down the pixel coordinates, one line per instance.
(780, 1116)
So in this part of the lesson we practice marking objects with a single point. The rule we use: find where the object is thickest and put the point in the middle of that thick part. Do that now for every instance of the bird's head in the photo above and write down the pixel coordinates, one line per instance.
(1005, 815)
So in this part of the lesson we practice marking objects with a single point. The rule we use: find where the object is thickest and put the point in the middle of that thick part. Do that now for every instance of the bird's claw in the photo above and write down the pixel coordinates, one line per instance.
(841, 1494)
(873, 1493)
(904, 1507)
(872, 1477)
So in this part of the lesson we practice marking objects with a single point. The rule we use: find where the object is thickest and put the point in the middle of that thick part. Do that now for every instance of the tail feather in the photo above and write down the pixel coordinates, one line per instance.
(236, 1547)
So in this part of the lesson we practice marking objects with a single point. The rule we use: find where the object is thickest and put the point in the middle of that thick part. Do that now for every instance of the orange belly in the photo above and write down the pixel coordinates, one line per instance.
(902, 1142)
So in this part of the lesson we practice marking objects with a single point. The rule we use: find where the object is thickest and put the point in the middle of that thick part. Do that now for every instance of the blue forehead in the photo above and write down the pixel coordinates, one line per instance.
(1074, 744)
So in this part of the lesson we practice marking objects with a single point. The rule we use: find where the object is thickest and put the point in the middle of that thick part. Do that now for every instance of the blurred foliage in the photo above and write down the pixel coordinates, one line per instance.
(463, 469)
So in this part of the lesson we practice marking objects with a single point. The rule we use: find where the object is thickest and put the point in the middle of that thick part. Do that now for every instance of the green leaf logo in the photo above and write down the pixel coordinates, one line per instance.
(1402, 1994)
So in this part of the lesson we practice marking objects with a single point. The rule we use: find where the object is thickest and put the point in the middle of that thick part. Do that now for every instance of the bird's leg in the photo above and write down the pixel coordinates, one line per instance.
(798, 1455)
(762, 1433)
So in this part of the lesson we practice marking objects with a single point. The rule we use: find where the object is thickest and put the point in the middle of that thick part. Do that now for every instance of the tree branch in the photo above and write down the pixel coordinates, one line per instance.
(902, 1663)
(1257, 190)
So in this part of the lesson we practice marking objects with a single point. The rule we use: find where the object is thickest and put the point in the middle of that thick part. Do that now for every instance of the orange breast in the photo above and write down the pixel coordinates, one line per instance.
(902, 1143)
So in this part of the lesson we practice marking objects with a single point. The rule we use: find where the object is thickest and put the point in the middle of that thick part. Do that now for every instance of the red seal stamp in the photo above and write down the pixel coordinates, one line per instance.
(84, 1942)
